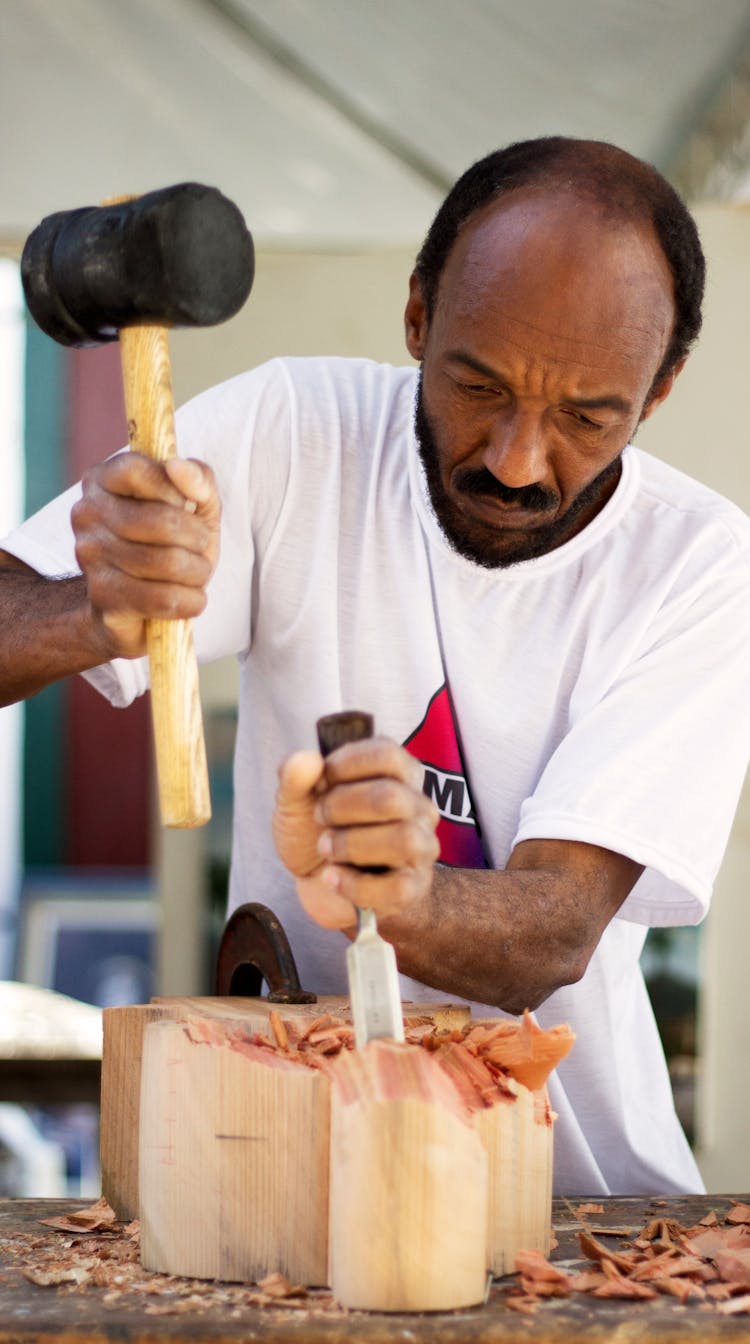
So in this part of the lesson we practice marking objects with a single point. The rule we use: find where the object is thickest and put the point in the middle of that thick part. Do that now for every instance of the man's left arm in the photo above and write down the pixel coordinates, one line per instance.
(508, 937)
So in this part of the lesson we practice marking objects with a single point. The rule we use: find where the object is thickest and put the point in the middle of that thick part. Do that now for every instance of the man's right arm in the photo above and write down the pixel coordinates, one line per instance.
(147, 538)
(48, 633)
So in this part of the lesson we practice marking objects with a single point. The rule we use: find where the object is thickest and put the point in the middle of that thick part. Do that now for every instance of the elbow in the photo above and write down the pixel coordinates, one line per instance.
(545, 975)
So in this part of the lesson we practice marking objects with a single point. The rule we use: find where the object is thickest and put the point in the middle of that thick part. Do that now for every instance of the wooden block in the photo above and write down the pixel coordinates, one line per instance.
(408, 1185)
(517, 1136)
(120, 1104)
(234, 1158)
(256, 1012)
(440, 1159)
(121, 1066)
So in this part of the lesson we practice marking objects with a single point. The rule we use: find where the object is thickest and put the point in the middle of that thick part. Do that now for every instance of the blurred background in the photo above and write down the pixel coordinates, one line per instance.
(337, 126)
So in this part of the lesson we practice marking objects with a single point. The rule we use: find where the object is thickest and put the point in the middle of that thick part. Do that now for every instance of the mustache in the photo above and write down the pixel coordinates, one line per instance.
(479, 481)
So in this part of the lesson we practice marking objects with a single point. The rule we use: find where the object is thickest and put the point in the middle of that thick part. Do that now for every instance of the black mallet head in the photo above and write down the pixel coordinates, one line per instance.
(179, 257)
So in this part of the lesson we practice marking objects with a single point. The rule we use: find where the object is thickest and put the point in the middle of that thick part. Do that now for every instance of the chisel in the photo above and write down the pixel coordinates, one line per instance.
(370, 961)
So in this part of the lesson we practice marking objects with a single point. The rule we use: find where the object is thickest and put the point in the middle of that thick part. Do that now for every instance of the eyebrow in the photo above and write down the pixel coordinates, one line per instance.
(607, 402)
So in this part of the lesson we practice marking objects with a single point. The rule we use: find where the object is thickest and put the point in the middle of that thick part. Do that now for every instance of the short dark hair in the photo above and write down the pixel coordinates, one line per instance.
(621, 185)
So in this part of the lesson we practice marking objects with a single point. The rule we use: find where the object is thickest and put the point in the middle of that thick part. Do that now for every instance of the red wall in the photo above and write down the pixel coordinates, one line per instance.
(108, 802)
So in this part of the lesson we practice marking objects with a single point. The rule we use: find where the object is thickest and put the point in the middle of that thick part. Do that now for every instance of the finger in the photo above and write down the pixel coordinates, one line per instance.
(136, 476)
(196, 484)
(140, 561)
(373, 757)
(372, 800)
(389, 894)
(140, 519)
(115, 593)
(394, 845)
(324, 904)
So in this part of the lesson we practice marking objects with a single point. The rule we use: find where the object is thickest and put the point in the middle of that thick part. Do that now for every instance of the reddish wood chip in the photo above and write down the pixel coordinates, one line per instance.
(278, 1285)
(679, 1288)
(583, 1209)
(710, 1220)
(718, 1291)
(594, 1250)
(280, 1034)
(740, 1213)
(668, 1266)
(617, 1286)
(734, 1266)
(587, 1280)
(535, 1267)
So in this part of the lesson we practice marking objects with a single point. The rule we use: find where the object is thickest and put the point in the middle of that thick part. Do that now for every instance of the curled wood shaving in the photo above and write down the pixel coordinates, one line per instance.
(708, 1263)
(93, 1219)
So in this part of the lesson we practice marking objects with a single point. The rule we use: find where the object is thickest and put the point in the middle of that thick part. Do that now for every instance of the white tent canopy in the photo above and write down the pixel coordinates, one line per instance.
(338, 123)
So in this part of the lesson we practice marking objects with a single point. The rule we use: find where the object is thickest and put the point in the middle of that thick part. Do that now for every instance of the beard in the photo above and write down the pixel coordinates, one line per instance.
(495, 548)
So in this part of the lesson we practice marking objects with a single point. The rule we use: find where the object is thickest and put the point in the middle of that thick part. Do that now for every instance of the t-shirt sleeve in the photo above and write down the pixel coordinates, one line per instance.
(654, 769)
(241, 429)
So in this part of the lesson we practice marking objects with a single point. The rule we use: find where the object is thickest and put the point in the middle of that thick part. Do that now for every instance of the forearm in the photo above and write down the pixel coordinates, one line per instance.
(47, 632)
(511, 938)
(488, 936)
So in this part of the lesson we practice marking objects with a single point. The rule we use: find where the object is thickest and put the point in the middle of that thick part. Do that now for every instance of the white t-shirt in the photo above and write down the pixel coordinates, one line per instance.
(599, 693)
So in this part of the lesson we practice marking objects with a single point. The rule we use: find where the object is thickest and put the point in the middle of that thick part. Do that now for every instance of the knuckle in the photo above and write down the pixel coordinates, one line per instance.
(388, 796)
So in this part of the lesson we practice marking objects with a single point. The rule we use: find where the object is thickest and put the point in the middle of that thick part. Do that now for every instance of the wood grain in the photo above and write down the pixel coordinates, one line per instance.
(518, 1139)
(408, 1185)
(233, 1161)
(181, 767)
(121, 1066)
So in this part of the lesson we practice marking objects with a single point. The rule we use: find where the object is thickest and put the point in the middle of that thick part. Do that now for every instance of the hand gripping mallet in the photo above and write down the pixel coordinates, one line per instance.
(132, 269)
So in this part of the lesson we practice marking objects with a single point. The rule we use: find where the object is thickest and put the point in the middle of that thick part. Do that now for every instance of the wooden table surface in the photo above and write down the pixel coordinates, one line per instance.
(30, 1314)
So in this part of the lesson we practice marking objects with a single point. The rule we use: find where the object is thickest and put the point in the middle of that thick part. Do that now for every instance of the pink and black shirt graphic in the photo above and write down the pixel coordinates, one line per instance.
(435, 744)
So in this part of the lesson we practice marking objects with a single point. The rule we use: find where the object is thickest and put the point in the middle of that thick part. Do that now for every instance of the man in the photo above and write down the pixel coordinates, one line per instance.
(552, 623)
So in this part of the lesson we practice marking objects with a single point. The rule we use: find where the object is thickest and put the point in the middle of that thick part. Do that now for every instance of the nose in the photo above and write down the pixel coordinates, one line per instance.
(515, 452)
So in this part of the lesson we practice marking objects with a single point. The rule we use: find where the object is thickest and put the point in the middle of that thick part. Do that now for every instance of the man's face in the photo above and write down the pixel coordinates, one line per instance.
(549, 328)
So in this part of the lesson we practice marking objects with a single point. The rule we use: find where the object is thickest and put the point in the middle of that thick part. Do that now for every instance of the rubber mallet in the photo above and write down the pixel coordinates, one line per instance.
(130, 269)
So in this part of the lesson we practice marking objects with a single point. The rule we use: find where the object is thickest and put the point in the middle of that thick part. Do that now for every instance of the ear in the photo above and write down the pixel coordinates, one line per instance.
(415, 319)
(662, 391)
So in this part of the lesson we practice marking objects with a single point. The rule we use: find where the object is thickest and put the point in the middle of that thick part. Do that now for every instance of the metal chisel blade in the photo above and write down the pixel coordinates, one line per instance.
(370, 961)
(373, 985)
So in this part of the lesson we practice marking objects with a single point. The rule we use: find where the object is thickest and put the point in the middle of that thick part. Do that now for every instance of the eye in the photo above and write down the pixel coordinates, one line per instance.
(480, 389)
(585, 421)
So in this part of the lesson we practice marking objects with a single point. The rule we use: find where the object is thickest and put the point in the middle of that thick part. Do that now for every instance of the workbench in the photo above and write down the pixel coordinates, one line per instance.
(30, 1314)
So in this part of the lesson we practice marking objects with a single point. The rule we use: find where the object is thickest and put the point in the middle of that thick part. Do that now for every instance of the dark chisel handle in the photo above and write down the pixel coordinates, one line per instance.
(350, 725)
(334, 730)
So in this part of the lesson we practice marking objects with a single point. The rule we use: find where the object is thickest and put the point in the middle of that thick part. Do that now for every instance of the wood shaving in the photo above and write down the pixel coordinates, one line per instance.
(488, 1061)
(93, 1219)
(709, 1263)
(706, 1266)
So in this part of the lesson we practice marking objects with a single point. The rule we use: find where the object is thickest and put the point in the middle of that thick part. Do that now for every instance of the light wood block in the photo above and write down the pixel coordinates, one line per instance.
(123, 1030)
(408, 1185)
(517, 1137)
(233, 1160)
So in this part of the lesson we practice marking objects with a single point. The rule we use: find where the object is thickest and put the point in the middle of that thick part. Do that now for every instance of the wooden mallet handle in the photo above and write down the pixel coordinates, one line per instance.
(181, 767)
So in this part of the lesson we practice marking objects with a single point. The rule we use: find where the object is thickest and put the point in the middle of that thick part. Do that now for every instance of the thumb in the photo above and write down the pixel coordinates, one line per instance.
(298, 776)
(295, 830)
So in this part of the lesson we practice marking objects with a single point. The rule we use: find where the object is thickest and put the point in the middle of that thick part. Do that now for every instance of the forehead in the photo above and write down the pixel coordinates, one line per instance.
(553, 277)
